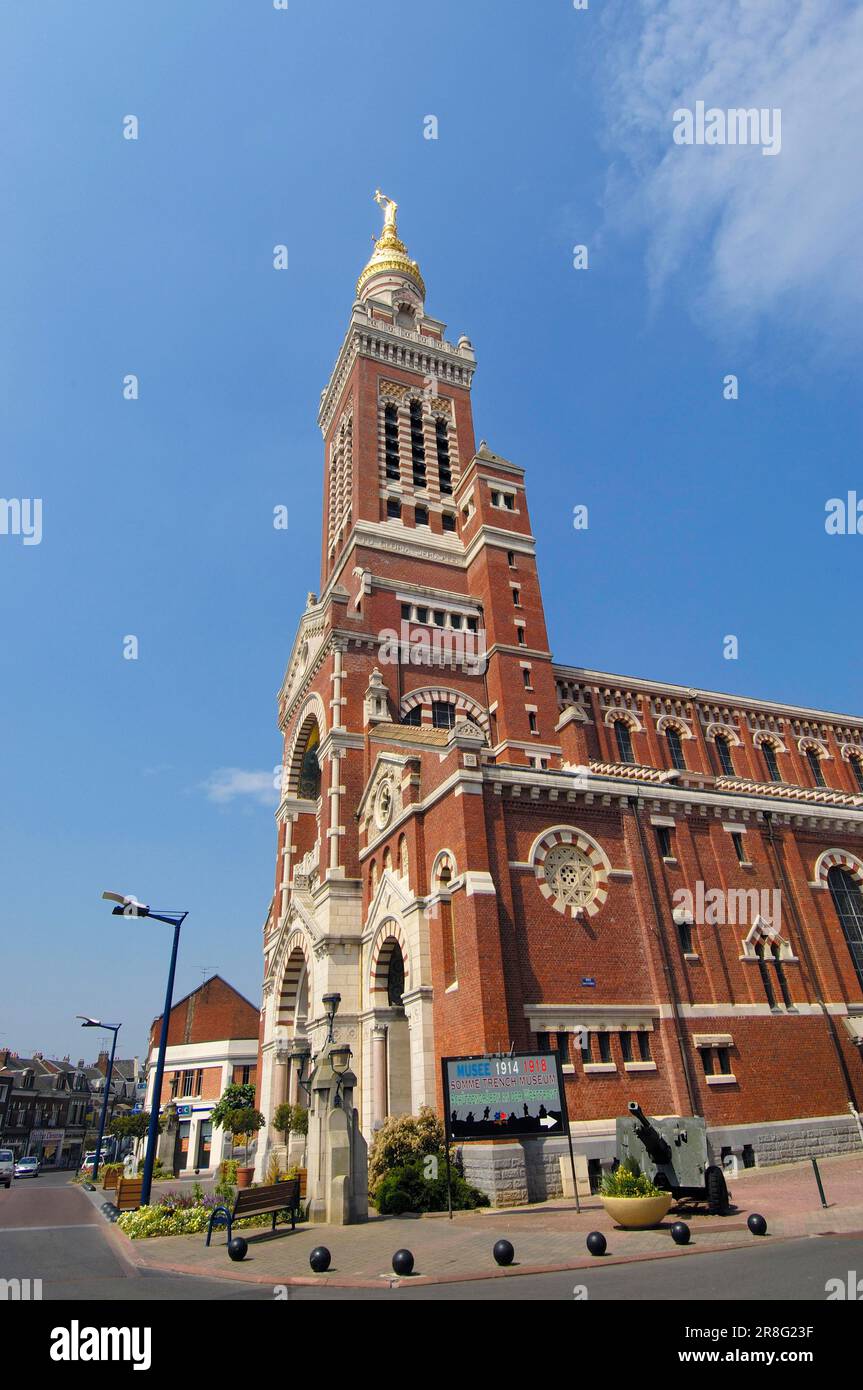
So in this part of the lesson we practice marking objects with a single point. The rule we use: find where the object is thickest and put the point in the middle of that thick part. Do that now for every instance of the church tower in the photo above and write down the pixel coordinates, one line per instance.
(424, 657)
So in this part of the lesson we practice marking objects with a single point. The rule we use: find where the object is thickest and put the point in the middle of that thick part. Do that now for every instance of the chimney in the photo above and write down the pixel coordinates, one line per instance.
(102, 1063)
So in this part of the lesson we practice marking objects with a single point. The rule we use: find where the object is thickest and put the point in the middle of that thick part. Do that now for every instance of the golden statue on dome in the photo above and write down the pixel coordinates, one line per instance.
(390, 207)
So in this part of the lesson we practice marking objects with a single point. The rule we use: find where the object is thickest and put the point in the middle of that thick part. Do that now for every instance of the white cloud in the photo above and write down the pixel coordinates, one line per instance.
(229, 783)
(758, 240)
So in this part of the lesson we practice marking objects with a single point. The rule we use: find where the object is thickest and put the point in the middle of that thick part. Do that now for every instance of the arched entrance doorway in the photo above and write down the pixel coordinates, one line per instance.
(391, 1043)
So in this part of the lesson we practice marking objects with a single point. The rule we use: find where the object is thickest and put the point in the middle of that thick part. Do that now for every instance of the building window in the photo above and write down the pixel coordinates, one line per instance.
(188, 1083)
(626, 1046)
(644, 1045)
(175, 1083)
(444, 467)
(526, 678)
(815, 767)
(542, 1042)
(503, 499)
(684, 933)
(309, 785)
(723, 752)
(737, 841)
(663, 836)
(510, 559)
(448, 521)
(443, 714)
(391, 443)
(770, 762)
(765, 974)
(604, 1047)
(624, 741)
(857, 766)
(421, 516)
(707, 1060)
(516, 596)
(407, 612)
(675, 748)
(418, 448)
(413, 716)
(522, 640)
(848, 901)
(723, 1057)
(394, 509)
(531, 719)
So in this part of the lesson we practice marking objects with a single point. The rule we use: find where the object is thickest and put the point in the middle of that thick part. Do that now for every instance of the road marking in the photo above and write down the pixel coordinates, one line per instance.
(73, 1226)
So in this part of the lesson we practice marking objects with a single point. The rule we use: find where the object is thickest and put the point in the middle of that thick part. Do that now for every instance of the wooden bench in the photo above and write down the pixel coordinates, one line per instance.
(259, 1201)
(129, 1191)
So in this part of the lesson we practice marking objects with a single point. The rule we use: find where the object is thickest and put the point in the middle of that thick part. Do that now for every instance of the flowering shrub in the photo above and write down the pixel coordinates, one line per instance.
(401, 1140)
(623, 1182)
(163, 1221)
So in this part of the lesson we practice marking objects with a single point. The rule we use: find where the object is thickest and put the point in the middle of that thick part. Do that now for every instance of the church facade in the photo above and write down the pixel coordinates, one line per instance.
(483, 848)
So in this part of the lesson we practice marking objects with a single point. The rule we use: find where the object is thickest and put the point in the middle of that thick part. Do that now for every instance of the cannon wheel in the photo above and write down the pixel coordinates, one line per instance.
(717, 1191)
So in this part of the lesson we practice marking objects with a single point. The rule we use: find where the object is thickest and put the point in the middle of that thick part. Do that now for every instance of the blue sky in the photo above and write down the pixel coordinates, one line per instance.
(154, 257)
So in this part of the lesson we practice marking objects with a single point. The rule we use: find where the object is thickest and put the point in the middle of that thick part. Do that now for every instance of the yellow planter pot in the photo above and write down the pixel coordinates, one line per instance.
(637, 1213)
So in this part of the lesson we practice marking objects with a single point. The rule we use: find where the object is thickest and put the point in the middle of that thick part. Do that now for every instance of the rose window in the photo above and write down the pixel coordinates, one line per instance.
(570, 876)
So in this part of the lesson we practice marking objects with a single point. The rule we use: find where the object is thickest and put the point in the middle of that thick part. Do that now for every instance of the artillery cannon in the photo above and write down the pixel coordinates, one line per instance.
(672, 1153)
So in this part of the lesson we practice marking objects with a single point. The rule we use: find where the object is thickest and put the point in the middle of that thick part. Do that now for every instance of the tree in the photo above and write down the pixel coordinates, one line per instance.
(291, 1119)
(234, 1097)
(131, 1126)
(243, 1123)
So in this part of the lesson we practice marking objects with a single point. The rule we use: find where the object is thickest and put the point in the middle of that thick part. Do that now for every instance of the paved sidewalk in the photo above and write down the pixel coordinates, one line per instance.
(548, 1236)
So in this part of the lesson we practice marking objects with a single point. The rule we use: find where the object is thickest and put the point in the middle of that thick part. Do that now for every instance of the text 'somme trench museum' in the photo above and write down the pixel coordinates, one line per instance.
(479, 847)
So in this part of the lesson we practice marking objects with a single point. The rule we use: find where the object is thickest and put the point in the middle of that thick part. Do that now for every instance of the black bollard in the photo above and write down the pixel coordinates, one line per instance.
(319, 1259)
(757, 1224)
(238, 1248)
(503, 1252)
(680, 1233)
(596, 1243)
(819, 1182)
(403, 1262)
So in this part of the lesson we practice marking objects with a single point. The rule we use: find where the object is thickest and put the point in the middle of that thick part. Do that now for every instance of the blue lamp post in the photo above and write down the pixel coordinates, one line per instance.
(88, 1022)
(127, 906)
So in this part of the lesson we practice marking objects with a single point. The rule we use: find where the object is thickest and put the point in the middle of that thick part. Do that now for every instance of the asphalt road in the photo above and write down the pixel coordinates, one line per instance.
(51, 1231)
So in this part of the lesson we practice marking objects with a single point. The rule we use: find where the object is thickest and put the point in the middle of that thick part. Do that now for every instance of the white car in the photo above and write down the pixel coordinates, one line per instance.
(7, 1167)
(28, 1167)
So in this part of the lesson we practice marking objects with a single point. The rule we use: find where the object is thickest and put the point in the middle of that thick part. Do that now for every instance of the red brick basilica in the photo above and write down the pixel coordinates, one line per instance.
(480, 847)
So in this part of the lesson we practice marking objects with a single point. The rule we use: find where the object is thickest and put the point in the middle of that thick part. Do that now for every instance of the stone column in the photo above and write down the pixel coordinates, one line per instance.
(379, 1073)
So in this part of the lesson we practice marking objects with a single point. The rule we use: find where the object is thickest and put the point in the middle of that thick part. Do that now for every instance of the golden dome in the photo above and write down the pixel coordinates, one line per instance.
(390, 253)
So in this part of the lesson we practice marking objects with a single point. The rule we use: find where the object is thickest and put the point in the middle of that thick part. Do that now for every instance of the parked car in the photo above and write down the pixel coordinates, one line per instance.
(7, 1167)
(28, 1167)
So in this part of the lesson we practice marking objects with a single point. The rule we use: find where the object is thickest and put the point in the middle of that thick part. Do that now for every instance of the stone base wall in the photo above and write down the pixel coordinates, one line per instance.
(788, 1141)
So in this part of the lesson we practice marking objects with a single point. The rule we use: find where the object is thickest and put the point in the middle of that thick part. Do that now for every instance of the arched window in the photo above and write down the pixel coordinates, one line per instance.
(815, 767)
(395, 977)
(723, 753)
(443, 714)
(309, 787)
(447, 920)
(675, 748)
(418, 448)
(388, 859)
(769, 753)
(848, 901)
(414, 715)
(857, 768)
(391, 442)
(403, 856)
(373, 876)
(624, 741)
(444, 467)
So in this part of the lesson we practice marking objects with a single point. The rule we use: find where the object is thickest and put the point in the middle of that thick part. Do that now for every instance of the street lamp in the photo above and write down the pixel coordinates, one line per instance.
(331, 1004)
(127, 906)
(88, 1022)
(340, 1060)
(301, 1054)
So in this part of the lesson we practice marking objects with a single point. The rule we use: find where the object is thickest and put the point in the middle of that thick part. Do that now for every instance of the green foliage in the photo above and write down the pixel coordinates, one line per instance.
(227, 1180)
(623, 1182)
(406, 1189)
(291, 1119)
(234, 1097)
(132, 1126)
(403, 1139)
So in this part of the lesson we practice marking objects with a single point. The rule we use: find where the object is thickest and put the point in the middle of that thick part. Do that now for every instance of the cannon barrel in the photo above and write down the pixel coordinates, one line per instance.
(656, 1146)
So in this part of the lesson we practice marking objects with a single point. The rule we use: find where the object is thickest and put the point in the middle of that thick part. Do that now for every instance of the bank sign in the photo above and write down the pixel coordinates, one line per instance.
(515, 1096)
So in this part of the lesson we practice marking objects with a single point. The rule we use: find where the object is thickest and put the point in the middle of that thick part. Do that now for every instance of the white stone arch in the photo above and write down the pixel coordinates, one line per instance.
(612, 715)
(673, 721)
(444, 859)
(851, 752)
(776, 947)
(388, 935)
(762, 736)
(589, 849)
(836, 859)
(295, 984)
(726, 731)
(311, 713)
(465, 707)
(814, 745)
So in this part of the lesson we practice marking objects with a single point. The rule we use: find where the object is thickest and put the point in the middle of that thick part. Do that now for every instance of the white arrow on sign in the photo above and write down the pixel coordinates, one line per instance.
(548, 1121)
